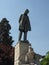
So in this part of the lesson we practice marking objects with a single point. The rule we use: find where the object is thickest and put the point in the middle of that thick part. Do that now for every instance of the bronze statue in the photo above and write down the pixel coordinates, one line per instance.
(24, 25)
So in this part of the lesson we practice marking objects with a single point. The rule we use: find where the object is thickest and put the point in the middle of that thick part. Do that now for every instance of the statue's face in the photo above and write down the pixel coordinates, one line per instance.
(26, 11)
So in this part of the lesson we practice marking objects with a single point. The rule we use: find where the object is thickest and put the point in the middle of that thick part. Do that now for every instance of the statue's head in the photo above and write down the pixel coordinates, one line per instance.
(26, 11)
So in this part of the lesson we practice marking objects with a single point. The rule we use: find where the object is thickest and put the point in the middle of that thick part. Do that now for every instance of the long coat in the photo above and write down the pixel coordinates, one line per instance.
(24, 23)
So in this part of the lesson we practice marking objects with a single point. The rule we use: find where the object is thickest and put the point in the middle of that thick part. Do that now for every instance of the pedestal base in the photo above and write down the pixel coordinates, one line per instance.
(24, 54)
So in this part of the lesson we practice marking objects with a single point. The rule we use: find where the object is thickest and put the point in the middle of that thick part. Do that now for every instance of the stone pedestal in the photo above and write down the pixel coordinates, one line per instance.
(25, 55)
(21, 50)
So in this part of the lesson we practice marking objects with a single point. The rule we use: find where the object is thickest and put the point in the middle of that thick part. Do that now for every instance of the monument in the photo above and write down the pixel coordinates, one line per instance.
(24, 53)
(24, 25)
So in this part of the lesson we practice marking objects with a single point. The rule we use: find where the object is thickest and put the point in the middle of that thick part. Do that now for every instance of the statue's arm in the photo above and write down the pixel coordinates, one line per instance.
(20, 18)
(29, 24)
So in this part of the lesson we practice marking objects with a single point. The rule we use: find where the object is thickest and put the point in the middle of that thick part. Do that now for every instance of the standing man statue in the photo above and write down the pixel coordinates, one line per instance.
(24, 25)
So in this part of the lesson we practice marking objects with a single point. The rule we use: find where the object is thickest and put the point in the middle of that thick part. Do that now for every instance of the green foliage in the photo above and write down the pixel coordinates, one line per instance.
(45, 60)
(4, 32)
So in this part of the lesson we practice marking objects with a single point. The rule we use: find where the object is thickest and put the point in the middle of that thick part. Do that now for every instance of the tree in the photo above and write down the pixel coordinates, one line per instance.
(4, 32)
(6, 55)
(45, 60)
(6, 49)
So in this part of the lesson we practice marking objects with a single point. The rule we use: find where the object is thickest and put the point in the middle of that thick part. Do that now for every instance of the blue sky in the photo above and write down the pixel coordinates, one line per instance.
(39, 19)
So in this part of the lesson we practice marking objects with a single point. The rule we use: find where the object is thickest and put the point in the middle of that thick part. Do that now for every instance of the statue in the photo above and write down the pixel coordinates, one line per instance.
(24, 25)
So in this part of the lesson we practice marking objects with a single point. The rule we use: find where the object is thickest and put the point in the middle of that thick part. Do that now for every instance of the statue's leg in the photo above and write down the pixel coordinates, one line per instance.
(20, 35)
(25, 36)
